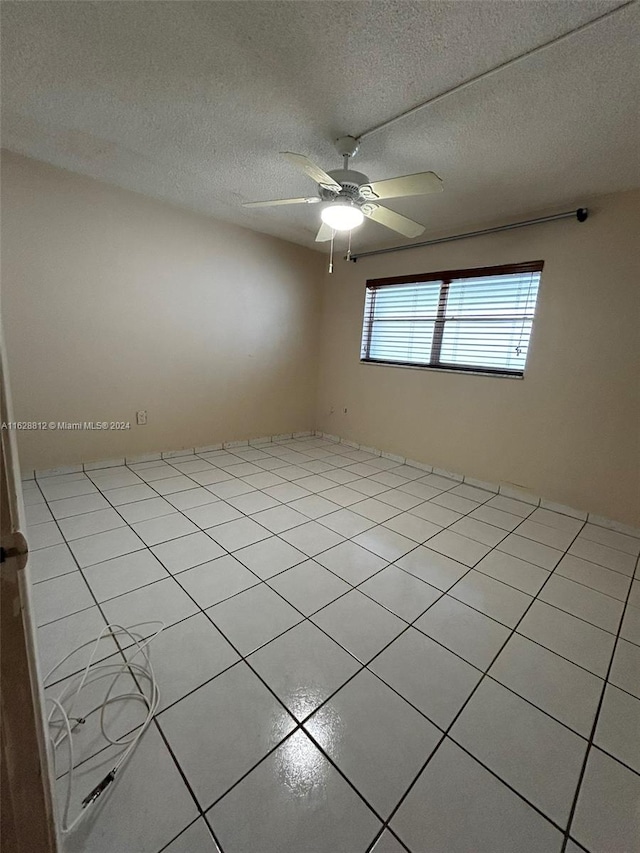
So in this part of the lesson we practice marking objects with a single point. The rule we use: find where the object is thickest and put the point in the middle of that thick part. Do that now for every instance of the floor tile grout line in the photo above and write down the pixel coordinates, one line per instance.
(177, 764)
(608, 568)
(186, 781)
(328, 699)
(583, 522)
(494, 773)
(458, 714)
(387, 829)
(312, 558)
(182, 512)
(311, 714)
(610, 547)
(594, 727)
(595, 589)
(400, 512)
(324, 444)
(91, 593)
(166, 846)
(610, 754)
(548, 714)
(341, 686)
(374, 600)
(550, 572)
(250, 516)
(176, 511)
(310, 616)
(205, 530)
(575, 615)
(348, 539)
(318, 519)
(159, 729)
(306, 558)
(297, 726)
(365, 497)
(366, 476)
(121, 651)
(305, 617)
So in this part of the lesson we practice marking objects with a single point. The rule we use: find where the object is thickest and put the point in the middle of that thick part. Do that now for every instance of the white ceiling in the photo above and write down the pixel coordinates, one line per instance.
(192, 101)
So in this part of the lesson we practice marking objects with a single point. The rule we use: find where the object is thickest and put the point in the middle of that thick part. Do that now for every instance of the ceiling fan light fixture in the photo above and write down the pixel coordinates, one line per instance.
(342, 216)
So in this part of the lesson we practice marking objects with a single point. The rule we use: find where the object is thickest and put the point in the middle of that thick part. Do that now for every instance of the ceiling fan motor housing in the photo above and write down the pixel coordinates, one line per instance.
(349, 180)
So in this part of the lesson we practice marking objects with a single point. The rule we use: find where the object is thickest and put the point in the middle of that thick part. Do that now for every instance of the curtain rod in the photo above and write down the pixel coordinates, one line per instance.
(580, 214)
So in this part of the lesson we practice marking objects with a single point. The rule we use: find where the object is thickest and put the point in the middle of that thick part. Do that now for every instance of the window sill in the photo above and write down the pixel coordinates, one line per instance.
(449, 370)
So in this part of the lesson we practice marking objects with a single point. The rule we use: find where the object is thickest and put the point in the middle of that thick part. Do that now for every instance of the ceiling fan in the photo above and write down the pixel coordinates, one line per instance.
(350, 196)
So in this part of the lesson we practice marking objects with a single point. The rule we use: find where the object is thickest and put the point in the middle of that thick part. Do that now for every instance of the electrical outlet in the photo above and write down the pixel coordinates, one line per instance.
(141, 417)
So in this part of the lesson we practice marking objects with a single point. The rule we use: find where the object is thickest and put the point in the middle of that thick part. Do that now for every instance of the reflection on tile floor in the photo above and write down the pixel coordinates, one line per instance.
(360, 656)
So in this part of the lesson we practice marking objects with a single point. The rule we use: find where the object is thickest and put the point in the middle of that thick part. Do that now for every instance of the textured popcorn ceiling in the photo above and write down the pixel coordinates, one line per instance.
(191, 102)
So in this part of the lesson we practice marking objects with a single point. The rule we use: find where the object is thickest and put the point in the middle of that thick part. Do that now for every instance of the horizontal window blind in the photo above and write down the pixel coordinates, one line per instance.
(474, 320)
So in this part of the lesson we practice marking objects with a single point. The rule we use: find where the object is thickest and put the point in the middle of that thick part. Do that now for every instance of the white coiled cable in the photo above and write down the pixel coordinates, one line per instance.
(62, 727)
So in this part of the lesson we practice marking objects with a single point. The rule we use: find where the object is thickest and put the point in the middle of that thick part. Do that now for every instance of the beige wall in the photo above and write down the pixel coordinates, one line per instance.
(113, 302)
(568, 432)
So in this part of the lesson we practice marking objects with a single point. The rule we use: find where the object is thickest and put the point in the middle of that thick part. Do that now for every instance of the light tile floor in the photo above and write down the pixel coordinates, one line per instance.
(360, 657)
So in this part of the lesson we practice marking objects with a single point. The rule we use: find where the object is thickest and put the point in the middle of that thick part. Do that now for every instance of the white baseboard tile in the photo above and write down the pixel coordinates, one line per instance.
(348, 443)
(508, 491)
(97, 464)
(393, 457)
(143, 457)
(618, 526)
(41, 474)
(580, 514)
(519, 495)
(482, 484)
(442, 472)
(421, 466)
(104, 463)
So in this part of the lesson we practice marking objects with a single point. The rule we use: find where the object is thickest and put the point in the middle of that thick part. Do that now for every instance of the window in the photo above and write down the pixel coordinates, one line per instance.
(475, 320)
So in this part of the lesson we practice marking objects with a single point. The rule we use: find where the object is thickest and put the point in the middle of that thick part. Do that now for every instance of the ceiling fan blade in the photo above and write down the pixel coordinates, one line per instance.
(314, 172)
(420, 184)
(311, 200)
(391, 219)
(324, 234)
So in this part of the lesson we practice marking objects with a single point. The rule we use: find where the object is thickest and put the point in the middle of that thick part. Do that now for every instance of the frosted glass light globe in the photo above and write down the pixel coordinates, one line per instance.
(341, 216)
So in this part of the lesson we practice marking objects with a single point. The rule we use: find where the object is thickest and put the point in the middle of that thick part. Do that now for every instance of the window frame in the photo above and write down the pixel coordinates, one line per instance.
(445, 277)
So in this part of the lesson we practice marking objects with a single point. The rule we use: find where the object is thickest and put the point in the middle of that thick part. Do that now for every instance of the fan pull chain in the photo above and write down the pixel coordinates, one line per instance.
(349, 247)
(333, 234)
